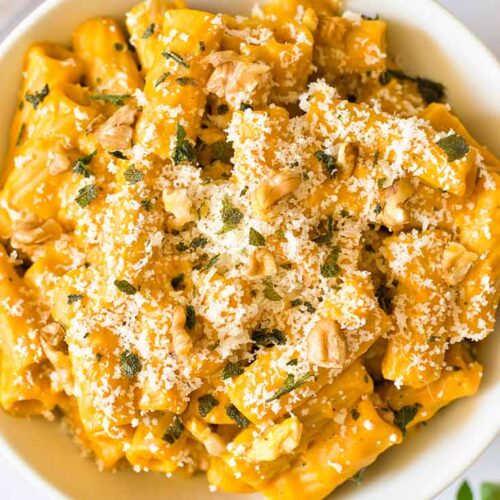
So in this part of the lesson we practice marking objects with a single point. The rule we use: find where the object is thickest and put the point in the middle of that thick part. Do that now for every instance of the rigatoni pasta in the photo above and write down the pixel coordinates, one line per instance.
(251, 246)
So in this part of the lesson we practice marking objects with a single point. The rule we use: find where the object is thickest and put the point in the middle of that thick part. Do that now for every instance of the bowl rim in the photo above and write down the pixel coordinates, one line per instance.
(44, 9)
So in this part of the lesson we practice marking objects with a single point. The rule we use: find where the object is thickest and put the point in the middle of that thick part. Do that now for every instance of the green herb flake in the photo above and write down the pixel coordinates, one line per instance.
(293, 362)
(132, 175)
(465, 492)
(118, 154)
(358, 477)
(116, 99)
(326, 237)
(290, 385)
(147, 204)
(269, 292)
(296, 302)
(130, 364)
(181, 246)
(244, 106)
(454, 146)
(244, 191)
(86, 195)
(232, 370)
(222, 109)
(148, 32)
(177, 282)
(198, 242)
(330, 267)
(375, 158)
(162, 78)
(255, 238)
(231, 216)
(119, 46)
(206, 404)
(175, 57)
(355, 414)
(174, 431)
(81, 164)
(430, 91)
(490, 491)
(378, 209)
(212, 261)
(184, 149)
(125, 287)
(268, 338)
(329, 162)
(223, 151)
(74, 297)
(184, 81)
(190, 317)
(37, 98)
(20, 134)
(381, 182)
(405, 415)
(234, 414)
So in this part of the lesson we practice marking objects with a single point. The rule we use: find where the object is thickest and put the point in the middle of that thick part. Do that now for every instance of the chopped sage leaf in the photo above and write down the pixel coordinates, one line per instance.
(231, 216)
(86, 195)
(177, 282)
(255, 238)
(174, 431)
(198, 242)
(329, 162)
(378, 209)
(234, 414)
(223, 151)
(206, 404)
(184, 149)
(358, 477)
(20, 134)
(190, 317)
(118, 154)
(222, 109)
(268, 338)
(148, 32)
(147, 204)
(184, 81)
(212, 261)
(74, 297)
(405, 415)
(125, 287)
(81, 164)
(269, 292)
(290, 385)
(175, 57)
(117, 100)
(130, 364)
(330, 267)
(232, 370)
(162, 78)
(454, 146)
(132, 175)
(37, 98)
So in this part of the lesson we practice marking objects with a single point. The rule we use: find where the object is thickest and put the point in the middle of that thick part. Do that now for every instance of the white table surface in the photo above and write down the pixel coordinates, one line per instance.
(481, 16)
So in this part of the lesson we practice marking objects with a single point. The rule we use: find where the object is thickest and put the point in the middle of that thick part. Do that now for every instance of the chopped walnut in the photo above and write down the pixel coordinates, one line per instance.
(117, 131)
(395, 215)
(326, 346)
(58, 162)
(30, 231)
(456, 262)
(235, 79)
(262, 263)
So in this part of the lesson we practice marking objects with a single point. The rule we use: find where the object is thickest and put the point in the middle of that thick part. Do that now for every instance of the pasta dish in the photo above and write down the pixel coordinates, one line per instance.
(250, 246)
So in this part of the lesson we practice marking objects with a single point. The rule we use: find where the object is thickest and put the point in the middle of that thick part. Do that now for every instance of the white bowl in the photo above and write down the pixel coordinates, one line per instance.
(427, 41)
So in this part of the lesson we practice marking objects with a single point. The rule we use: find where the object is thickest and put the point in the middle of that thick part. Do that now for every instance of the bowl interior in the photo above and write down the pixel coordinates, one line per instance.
(427, 41)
